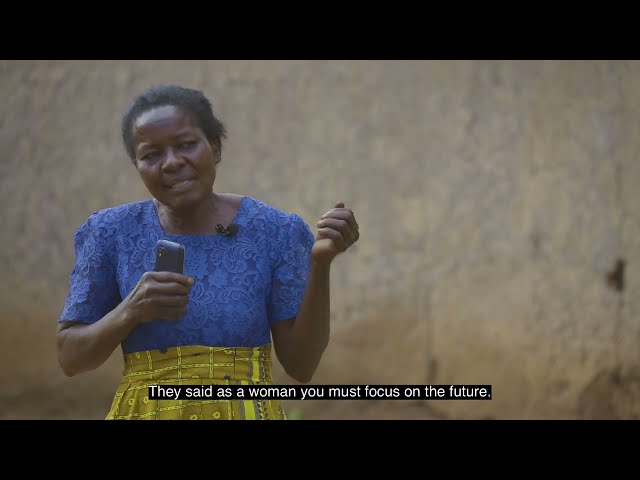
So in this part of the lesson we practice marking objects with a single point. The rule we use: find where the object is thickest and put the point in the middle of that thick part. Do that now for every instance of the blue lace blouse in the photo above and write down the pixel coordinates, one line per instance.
(243, 283)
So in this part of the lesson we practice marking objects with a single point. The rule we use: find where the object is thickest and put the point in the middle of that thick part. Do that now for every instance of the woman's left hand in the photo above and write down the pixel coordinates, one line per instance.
(337, 231)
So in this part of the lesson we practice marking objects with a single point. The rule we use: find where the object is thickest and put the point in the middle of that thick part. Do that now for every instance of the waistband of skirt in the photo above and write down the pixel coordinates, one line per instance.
(196, 363)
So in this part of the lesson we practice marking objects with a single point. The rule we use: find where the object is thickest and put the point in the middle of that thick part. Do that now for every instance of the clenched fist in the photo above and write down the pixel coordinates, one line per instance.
(337, 231)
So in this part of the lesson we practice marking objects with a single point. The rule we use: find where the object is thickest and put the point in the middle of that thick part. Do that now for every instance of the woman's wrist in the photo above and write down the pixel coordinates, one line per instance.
(321, 265)
(128, 318)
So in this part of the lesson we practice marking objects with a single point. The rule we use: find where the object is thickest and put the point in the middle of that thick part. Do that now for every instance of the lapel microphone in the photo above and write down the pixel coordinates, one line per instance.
(231, 230)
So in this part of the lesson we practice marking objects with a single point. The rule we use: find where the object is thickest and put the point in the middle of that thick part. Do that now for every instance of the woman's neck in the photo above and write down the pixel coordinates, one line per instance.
(199, 219)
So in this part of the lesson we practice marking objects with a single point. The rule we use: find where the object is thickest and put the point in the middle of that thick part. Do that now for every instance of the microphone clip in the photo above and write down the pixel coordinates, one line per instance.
(229, 231)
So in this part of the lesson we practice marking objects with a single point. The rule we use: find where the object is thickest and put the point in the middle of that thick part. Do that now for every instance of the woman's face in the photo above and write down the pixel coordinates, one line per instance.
(174, 158)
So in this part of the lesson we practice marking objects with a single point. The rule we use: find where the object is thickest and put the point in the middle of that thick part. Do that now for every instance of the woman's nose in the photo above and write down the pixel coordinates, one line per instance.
(172, 160)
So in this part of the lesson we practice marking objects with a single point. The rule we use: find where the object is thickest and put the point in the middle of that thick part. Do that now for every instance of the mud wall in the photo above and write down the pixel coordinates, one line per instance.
(494, 200)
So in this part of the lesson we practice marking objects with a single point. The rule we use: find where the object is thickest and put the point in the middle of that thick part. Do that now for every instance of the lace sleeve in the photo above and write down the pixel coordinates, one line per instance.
(93, 290)
(292, 270)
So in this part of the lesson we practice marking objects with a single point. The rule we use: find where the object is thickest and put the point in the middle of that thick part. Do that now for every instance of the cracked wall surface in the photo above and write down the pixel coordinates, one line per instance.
(494, 199)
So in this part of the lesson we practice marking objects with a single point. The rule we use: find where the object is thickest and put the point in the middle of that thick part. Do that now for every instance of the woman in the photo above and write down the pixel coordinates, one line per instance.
(265, 281)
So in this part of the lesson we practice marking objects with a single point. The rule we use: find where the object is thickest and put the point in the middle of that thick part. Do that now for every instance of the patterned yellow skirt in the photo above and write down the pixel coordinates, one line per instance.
(194, 365)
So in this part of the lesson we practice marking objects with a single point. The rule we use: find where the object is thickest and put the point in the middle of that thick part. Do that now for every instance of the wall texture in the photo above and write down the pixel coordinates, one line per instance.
(494, 201)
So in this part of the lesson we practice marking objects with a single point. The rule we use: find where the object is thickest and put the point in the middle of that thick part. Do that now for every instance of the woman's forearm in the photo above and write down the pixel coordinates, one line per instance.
(84, 347)
(309, 333)
(157, 295)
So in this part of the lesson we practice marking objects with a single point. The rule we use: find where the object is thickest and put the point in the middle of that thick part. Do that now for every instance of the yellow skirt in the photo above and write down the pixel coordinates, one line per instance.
(194, 365)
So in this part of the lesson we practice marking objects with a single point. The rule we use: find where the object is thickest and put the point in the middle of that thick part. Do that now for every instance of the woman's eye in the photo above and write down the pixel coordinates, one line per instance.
(149, 156)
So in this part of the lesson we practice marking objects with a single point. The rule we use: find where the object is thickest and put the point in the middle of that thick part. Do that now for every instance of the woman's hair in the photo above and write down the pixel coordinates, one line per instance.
(193, 102)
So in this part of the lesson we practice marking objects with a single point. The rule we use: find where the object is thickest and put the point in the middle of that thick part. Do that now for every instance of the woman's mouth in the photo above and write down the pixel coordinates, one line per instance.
(181, 185)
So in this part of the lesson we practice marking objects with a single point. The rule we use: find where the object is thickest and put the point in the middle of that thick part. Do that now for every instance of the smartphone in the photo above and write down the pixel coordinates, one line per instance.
(169, 257)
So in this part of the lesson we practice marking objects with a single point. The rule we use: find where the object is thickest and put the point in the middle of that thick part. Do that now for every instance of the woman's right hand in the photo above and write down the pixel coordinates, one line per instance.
(159, 295)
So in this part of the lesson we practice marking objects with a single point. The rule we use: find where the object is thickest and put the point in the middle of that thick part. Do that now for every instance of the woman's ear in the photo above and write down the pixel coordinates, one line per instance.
(217, 154)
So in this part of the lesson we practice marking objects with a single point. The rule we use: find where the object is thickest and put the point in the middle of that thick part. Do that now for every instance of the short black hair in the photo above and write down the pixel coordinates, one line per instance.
(193, 102)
